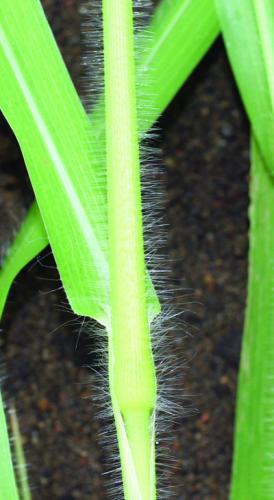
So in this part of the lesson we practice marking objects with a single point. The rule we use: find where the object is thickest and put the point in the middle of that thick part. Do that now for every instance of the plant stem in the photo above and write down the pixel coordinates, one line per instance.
(20, 457)
(131, 367)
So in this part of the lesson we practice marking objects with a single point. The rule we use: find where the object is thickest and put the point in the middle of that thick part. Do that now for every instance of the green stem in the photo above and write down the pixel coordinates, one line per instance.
(131, 367)
(20, 457)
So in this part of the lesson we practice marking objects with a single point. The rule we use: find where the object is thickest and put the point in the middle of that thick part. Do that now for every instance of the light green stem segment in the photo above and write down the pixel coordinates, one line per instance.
(20, 457)
(131, 368)
(8, 488)
(253, 462)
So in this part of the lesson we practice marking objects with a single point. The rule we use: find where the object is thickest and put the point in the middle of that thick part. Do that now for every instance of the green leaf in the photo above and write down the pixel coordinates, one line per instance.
(30, 240)
(183, 31)
(193, 26)
(50, 129)
(248, 30)
(8, 488)
(41, 105)
(189, 26)
(253, 472)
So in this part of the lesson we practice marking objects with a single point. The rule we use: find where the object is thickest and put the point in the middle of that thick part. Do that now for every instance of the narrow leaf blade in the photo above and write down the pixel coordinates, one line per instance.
(253, 472)
(30, 240)
(248, 30)
(8, 488)
(40, 103)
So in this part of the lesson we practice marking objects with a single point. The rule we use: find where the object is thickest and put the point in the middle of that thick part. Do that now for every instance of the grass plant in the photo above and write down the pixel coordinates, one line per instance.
(90, 205)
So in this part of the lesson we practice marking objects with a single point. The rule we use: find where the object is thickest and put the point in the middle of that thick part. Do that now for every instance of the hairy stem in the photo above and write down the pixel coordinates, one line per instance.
(131, 367)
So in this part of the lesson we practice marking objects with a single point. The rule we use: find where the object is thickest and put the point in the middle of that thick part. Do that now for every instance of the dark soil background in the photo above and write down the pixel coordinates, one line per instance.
(204, 138)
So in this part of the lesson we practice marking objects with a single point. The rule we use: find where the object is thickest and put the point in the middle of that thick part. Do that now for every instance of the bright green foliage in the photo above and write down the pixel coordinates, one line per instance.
(41, 105)
(183, 31)
(29, 241)
(194, 26)
(191, 27)
(253, 471)
(62, 149)
(248, 30)
(132, 377)
(61, 154)
(51, 131)
(8, 488)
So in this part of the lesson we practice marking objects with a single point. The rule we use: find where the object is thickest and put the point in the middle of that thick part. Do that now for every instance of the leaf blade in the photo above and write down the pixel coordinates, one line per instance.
(53, 131)
(194, 21)
(8, 488)
(248, 31)
(252, 471)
